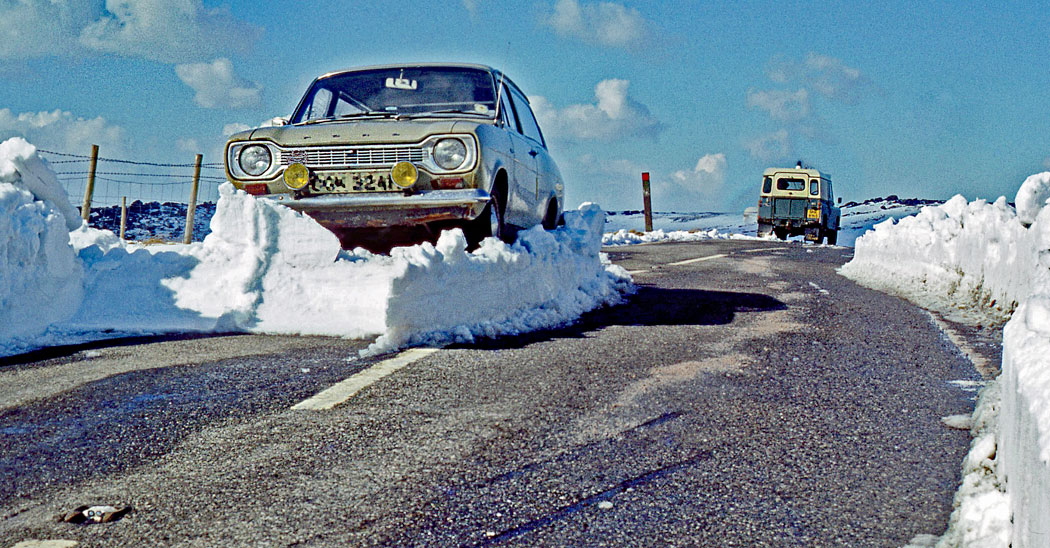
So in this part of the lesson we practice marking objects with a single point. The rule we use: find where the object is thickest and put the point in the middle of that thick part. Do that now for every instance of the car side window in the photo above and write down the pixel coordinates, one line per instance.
(767, 185)
(318, 107)
(529, 127)
(814, 187)
(508, 112)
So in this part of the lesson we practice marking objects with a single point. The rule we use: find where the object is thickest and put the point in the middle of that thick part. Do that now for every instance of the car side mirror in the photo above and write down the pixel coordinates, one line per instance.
(840, 201)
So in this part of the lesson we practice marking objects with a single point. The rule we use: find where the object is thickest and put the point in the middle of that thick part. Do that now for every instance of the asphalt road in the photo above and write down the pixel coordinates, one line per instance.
(746, 396)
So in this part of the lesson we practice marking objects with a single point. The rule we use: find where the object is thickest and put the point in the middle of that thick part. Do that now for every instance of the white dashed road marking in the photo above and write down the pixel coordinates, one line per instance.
(339, 393)
(46, 544)
(698, 259)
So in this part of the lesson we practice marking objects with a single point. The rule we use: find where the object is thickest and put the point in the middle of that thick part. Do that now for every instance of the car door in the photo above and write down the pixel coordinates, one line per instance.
(522, 189)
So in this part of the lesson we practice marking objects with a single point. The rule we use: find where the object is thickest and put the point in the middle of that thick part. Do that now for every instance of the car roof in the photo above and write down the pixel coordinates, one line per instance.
(411, 65)
(496, 73)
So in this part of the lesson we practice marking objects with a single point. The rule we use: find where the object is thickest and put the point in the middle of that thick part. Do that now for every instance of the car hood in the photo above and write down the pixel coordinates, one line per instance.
(370, 131)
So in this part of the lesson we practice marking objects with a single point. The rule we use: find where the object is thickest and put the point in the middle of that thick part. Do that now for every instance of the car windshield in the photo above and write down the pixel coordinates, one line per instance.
(397, 91)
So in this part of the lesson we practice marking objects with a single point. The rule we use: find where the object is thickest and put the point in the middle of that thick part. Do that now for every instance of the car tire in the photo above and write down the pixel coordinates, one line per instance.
(780, 233)
(489, 223)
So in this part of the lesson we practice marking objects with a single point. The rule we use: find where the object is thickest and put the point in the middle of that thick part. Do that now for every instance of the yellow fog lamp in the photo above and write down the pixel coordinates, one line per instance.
(296, 176)
(404, 174)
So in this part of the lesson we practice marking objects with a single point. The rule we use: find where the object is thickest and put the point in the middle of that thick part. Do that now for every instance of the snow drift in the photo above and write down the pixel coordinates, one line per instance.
(995, 258)
(40, 276)
(267, 269)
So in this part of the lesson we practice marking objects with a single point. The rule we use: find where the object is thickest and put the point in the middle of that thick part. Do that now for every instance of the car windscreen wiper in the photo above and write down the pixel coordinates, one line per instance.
(450, 111)
(369, 114)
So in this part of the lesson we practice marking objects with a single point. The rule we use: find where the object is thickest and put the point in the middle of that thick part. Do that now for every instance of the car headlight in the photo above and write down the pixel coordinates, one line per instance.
(255, 159)
(450, 153)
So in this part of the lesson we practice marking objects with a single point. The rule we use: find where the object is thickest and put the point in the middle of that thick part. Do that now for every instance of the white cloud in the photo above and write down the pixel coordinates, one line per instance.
(217, 86)
(771, 147)
(700, 187)
(472, 7)
(614, 183)
(169, 31)
(236, 127)
(188, 145)
(784, 106)
(709, 171)
(36, 28)
(797, 111)
(61, 131)
(826, 75)
(615, 115)
(605, 23)
(166, 30)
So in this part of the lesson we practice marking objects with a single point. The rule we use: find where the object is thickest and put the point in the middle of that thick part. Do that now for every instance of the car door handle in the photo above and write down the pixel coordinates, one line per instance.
(533, 153)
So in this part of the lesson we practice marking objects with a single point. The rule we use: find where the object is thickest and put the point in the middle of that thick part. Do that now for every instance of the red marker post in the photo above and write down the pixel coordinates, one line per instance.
(648, 202)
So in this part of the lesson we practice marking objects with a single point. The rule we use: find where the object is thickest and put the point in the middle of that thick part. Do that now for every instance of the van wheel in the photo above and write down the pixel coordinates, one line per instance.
(780, 233)
(833, 237)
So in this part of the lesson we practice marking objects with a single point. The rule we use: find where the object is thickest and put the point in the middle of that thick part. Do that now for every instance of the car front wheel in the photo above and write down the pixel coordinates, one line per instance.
(489, 223)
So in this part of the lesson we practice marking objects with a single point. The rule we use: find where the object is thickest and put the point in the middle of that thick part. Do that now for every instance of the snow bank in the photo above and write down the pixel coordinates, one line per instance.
(974, 254)
(545, 279)
(981, 517)
(1024, 436)
(265, 268)
(982, 255)
(1032, 196)
(634, 237)
(40, 278)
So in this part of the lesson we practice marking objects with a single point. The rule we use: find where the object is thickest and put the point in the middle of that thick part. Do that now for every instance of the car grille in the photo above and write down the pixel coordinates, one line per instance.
(343, 157)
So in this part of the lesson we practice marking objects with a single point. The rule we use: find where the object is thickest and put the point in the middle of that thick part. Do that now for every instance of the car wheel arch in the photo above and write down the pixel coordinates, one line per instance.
(499, 185)
(551, 217)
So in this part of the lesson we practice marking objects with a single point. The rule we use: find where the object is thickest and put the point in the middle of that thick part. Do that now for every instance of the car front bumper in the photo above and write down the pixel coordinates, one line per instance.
(387, 209)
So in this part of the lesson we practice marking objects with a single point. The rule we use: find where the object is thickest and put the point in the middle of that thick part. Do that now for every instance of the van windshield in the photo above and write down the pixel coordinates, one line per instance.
(791, 184)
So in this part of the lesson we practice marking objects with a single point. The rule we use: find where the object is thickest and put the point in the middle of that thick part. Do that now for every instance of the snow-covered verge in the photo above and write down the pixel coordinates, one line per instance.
(985, 258)
(267, 269)
(627, 227)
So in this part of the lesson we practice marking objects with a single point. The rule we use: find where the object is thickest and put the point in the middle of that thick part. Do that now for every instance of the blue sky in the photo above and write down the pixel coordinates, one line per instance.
(923, 99)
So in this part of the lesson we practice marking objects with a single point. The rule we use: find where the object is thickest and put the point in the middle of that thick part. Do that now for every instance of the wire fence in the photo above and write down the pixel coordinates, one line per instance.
(157, 194)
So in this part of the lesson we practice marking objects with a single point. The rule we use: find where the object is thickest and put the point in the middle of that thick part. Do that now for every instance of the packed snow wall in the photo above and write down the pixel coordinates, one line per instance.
(996, 258)
(1024, 427)
(265, 268)
(41, 280)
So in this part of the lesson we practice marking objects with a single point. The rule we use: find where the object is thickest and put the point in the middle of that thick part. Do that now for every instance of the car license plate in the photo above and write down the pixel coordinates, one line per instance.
(336, 183)
(813, 214)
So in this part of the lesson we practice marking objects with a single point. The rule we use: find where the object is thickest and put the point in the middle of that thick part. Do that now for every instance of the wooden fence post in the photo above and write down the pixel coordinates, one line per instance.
(193, 199)
(85, 209)
(123, 215)
(647, 202)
